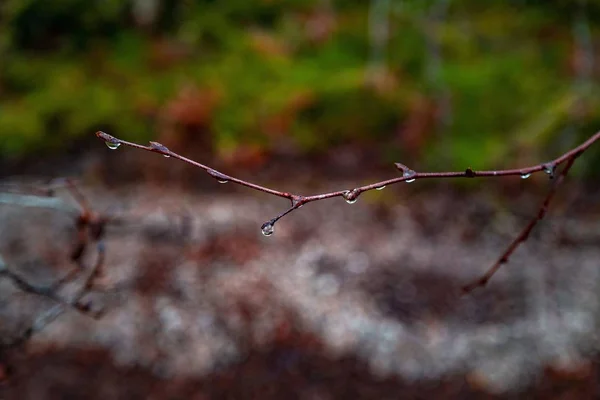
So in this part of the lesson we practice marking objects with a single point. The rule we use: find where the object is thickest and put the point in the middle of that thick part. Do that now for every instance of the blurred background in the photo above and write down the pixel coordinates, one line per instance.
(442, 83)
(305, 96)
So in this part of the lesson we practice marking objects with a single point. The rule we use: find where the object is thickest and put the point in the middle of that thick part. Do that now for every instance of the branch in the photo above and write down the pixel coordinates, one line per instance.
(522, 237)
(50, 293)
(90, 228)
(408, 176)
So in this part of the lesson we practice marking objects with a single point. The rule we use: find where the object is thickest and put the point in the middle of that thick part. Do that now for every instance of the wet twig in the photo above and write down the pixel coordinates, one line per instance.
(408, 175)
(524, 234)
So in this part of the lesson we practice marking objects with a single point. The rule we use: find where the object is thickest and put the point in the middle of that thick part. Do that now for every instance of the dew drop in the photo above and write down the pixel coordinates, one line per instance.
(112, 145)
(380, 187)
(525, 176)
(221, 178)
(267, 228)
(549, 169)
(407, 174)
(110, 141)
(160, 147)
(351, 196)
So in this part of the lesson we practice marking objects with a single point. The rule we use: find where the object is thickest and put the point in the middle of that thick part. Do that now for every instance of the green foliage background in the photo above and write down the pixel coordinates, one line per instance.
(505, 79)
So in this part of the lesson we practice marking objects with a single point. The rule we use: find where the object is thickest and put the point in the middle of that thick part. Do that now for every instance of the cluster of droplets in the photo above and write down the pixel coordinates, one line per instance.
(351, 196)
(268, 228)
(221, 178)
(409, 175)
(160, 147)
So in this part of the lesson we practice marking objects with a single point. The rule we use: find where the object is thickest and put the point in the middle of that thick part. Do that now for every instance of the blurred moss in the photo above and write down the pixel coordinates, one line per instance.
(303, 71)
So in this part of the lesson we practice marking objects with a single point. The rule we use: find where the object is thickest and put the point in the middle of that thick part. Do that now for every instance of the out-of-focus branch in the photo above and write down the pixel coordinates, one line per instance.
(90, 230)
(408, 176)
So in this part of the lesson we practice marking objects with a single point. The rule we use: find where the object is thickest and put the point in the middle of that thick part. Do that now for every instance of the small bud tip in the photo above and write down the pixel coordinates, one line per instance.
(106, 137)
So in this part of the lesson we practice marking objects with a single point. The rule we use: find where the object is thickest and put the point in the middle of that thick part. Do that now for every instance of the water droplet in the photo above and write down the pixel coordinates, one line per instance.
(525, 176)
(549, 169)
(407, 174)
(221, 178)
(112, 145)
(380, 187)
(351, 196)
(267, 228)
(160, 147)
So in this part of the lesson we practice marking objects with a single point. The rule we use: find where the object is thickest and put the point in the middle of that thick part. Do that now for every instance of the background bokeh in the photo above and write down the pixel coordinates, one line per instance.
(308, 96)
(445, 83)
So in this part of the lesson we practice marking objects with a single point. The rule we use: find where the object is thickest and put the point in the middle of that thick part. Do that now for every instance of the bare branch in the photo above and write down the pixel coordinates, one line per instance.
(78, 196)
(408, 175)
(94, 273)
(350, 195)
(90, 228)
(523, 235)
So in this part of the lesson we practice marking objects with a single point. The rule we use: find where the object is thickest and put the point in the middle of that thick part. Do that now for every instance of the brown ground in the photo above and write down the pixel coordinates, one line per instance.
(343, 301)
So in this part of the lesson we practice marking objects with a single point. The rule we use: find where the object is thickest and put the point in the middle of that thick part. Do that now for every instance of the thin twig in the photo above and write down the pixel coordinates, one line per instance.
(94, 273)
(38, 325)
(90, 228)
(408, 175)
(524, 234)
(23, 285)
(61, 305)
(78, 196)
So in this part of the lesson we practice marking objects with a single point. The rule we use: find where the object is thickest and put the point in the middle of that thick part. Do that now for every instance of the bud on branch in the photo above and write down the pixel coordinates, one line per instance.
(408, 176)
